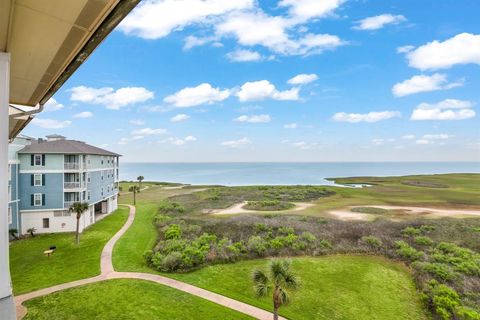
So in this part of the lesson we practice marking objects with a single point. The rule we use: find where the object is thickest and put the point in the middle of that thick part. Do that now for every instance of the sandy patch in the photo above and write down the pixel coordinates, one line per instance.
(347, 214)
(238, 208)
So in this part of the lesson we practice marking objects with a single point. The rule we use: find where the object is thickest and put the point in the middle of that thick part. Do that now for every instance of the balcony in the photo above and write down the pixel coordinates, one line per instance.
(71, 165)
(73, 185)
(68, 204)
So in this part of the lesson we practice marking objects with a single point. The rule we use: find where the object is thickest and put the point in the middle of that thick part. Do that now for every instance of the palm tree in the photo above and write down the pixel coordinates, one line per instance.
(13, 233)
(32, 231)
(78, 208)
(280, 278)
(140, 179)
(134, 189)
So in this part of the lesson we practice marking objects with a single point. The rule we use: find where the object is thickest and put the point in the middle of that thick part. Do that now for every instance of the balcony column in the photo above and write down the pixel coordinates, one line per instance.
(7, 307)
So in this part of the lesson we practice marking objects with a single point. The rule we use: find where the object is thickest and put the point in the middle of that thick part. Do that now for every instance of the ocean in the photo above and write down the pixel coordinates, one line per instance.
(240, 174)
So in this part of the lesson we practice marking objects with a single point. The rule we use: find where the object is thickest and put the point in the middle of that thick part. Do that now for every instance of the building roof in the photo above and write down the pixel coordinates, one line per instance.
(65, 147)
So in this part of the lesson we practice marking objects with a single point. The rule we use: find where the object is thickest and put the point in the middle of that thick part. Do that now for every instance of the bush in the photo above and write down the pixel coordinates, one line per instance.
(465, 313)
(462, 259)
(257, 245)
(406, 251)
(173, 231)
(161, 220)
(286, 230)
(370, 210)
(261, 227)
(411, 231)
(443, 299)
(171, 262)
(423, 240)
(168, 207)
(440, 271)
(372, 241)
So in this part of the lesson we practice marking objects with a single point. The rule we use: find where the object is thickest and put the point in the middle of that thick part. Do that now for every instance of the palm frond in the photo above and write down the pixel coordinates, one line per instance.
(260, 283)
(283, 297)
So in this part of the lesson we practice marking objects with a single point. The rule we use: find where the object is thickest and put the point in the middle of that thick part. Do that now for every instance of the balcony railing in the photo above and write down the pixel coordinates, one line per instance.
(73, 185)
(71, 165)
(68, 204)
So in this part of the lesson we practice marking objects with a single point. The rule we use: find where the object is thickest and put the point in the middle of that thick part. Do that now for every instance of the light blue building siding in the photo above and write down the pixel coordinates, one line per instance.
(13, 201)
(101, 185)
(51, 189)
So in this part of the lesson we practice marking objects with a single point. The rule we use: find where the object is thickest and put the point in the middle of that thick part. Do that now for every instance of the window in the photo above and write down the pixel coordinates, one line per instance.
(46, 223)
(57, 213)
(10, 215)
(101, 159)
(38, 159)
(102, 191)
(88, 195)
(37, 180)
(102, 174)
(88, 176)
(37, 199)
(9, 172)
(10, 192)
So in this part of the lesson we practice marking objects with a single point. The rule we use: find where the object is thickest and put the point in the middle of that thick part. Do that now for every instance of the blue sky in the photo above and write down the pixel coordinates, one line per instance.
(289, 80)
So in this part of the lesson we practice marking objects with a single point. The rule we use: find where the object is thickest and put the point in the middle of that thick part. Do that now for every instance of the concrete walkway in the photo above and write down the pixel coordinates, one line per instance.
(107, 273)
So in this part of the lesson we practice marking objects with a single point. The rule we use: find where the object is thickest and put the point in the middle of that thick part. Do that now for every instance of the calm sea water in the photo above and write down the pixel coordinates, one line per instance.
(282, 173)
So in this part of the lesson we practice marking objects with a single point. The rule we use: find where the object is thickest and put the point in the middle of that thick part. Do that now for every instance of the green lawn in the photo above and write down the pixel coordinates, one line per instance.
(333, 287)
(31, 270)
(125, 299)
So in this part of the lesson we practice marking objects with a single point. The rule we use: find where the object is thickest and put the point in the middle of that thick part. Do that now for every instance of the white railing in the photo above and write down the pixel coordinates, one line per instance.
(68, 204)
(71, 165)
(72, 185)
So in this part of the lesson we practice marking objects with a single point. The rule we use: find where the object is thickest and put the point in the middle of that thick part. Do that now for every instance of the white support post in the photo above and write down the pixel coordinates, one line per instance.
(7, 307)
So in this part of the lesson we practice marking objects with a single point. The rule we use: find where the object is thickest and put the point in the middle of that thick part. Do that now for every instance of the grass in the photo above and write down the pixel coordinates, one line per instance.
(370, 210)
(125, 299)
(31, 270)
(333, 287)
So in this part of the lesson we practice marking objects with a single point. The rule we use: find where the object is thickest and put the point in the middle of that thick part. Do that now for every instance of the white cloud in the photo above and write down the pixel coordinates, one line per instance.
(433, 138)
(263, 89)
(448, 109)
(179, 117)
(148, 132)
(424, 83)
(51, 123)
(302, 79)
(236, 143)
(254, 28)
(365, 117)
(290, 126)
(378, 142)
(179, 141)
(137, 122)
(378, 22)
(242, 55)
(408, 137)
(194, 96)
(242, 19)
(110, 98)
(405, 49)
(441, 136)
(261, 118)
(84, 115)
(302, 145)
(156, 19)
(302, 10)
(422, 141)
(53, 105)
(463, 48)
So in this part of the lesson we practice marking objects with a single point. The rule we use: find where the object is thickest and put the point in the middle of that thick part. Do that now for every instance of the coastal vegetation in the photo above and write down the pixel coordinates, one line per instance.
(268, 205)
(414, 241)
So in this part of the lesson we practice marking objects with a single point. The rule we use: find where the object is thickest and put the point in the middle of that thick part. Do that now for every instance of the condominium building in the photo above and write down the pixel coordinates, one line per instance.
(46, 176)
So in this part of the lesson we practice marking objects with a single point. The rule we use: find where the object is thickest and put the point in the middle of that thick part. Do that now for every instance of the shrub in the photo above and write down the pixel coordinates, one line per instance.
(440, 271)
(370, 210)
(465, 313)
(171, 262)
(411, 231)
(443, 299)
(423, 240)
(168, 207)
(308, 237)
(372, 241)
(257, 245)
(173, 231)
(286, 230)
(427, 228)
(261, 227)
(462, 259)
(161, 220)
(406, 251)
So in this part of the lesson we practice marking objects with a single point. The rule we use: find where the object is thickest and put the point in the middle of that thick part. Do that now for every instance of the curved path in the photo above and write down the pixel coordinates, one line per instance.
(108, 272)
(238, 209)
